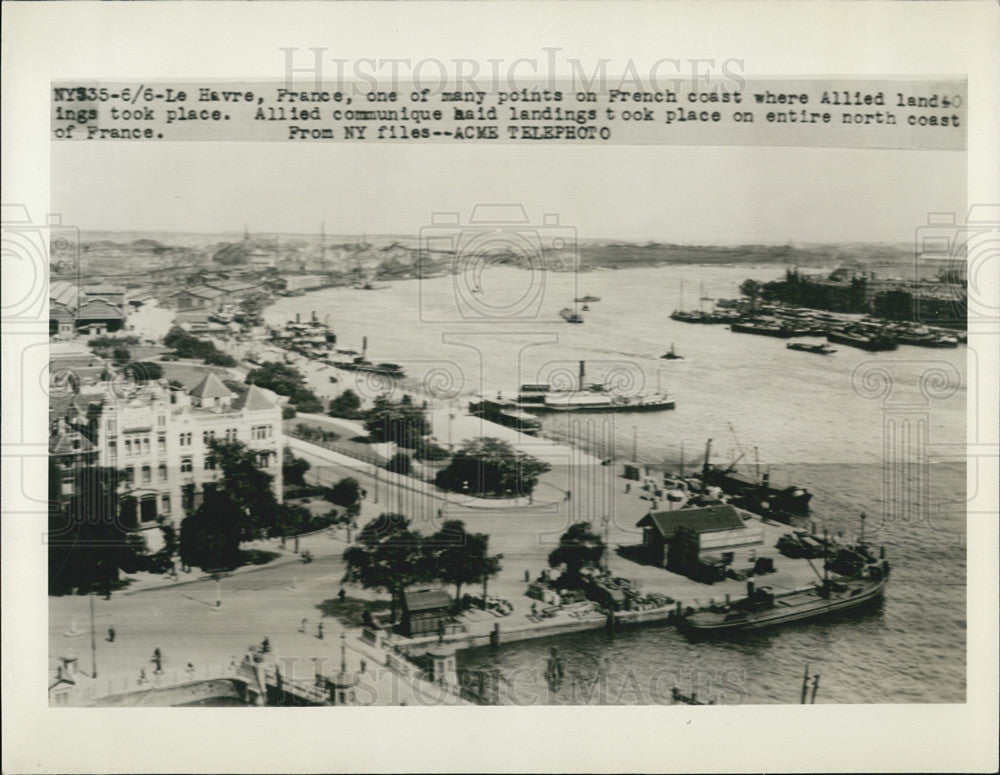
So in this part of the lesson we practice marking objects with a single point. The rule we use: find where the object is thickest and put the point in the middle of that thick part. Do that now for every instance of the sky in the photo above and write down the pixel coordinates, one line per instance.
(688, 195)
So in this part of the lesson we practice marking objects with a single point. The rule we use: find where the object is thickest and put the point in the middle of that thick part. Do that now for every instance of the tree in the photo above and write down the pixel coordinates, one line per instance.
(144, 371)
(246, 484)
(89, 540)
(121, 354)
(457, 557)
(290, 520)
(400, 464)
(220, 359)
(346, 492)
(387, 555)
(294, 468)
(750, 289)
(579, 548)
(210, 538)
(402, 422)
(287, 381)
(488, 466)
(346, 405)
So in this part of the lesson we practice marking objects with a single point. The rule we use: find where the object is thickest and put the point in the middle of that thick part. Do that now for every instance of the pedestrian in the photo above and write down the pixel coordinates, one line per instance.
(342, 595)
(628, 487)
(111, 634)
(142, 675)
(568, 493)
(364, 493)
(319, 631)
(265, 645)
(527, 576)
(305, 621)
(190, 669)
(364, 665)
(157, 660)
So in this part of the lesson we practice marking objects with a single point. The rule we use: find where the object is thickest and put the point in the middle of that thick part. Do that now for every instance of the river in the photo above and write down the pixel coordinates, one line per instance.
(863, 431)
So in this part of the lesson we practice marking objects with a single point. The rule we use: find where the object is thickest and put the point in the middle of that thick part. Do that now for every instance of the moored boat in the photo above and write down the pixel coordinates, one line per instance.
(820, 349)
(763, 608)
(870, 342)
(570, 316)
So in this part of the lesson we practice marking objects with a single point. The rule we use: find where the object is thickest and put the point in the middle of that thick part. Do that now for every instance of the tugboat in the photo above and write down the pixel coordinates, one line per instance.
(671, 354)
(819, 349)
(864, 581)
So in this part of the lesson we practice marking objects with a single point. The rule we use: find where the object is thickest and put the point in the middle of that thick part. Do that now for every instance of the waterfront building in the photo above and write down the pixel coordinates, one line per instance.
(159, 438)
(425, 611)
(93, 310)
(711, 529)
(199, 297)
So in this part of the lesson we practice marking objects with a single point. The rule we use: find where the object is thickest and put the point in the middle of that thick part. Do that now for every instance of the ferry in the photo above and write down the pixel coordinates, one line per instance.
(594, 397)
(362, 364)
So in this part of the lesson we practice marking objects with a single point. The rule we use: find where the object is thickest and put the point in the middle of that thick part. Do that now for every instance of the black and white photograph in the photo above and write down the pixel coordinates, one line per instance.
(494, 388)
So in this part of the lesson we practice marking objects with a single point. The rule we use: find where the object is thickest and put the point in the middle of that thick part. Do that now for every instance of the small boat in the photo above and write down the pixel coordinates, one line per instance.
(586, 308)
(671, 355)
(853, 338)
(583, 299)
(820, 349)
(570, 316)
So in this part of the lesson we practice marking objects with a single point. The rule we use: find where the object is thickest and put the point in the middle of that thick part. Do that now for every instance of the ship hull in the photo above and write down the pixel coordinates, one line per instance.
(659, 406)
(872, 345)
(803, 611)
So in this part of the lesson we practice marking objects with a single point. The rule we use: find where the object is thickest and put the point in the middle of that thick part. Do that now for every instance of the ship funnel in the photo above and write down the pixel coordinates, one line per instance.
(314, 316)
(364, 347)
(297, 316)
(582, 373)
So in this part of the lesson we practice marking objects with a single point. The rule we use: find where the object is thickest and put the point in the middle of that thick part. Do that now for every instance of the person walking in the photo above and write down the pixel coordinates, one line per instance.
(305, 622)
(319, 631)
(157, 660)
(111, 634)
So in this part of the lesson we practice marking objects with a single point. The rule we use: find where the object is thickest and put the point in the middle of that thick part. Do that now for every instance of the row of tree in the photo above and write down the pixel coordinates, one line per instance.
(286, 381)
(187, 346)
(389, 555)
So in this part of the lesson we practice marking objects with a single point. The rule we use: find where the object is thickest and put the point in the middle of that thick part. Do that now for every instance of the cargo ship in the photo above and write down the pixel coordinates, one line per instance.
(860, 578)
(594, 397)
(755, 494)
(763, 608)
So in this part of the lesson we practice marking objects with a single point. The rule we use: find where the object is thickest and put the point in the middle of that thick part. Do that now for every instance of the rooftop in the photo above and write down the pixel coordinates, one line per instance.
(704, 520)
(426, 599)
(211, 387)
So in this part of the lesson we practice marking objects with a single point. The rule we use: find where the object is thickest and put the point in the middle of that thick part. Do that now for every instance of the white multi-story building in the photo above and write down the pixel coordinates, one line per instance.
(160, 438)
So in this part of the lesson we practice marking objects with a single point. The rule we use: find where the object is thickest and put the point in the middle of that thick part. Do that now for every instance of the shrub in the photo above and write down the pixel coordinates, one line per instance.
(220, 359)
(400, 464)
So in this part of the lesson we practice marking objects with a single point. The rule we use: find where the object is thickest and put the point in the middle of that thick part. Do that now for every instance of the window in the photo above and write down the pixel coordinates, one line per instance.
(187, 497)
(162, 471)
(112, 450)
(128, 447)
(161, 443)
(67, 483)
(186, 466)
(147, 475)
(161, 420)
(112, 426)
(208, 436)
(261, 432)
(145, 445)
(128, 474)
(164, 503)
(209, 462)
(185, 439)
(264, 459)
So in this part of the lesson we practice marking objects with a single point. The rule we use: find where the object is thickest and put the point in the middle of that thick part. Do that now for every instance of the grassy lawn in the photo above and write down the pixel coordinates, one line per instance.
(350, 610)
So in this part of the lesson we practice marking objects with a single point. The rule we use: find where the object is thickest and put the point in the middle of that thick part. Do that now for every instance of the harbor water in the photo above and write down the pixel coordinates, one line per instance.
(879, 433)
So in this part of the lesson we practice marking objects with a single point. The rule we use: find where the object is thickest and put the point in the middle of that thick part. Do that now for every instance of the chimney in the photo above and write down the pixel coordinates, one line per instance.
(582, 372)
(364, 347)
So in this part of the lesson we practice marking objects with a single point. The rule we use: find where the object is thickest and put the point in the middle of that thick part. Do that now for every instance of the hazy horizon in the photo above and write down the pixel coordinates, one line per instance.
(697, 196)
